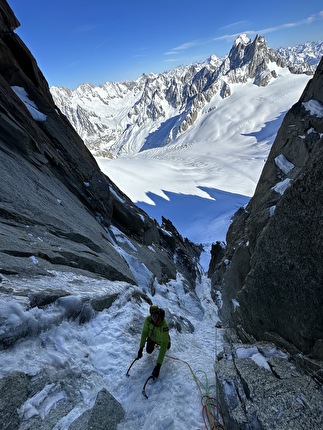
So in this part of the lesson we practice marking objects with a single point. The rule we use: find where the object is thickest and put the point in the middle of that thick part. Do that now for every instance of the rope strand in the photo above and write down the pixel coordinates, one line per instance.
(210, 406)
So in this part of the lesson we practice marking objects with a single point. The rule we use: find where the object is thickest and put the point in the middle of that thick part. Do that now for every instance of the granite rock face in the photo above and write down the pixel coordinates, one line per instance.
(270, 278)
(262, 387)
(59, 213)
(57, 209)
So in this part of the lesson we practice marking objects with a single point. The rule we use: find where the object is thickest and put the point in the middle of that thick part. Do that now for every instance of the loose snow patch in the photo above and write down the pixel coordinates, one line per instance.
(314, 107)
(283, 164)
(282, 186)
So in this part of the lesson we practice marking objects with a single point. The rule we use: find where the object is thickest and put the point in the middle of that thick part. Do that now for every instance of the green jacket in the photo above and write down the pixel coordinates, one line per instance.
(158, 334)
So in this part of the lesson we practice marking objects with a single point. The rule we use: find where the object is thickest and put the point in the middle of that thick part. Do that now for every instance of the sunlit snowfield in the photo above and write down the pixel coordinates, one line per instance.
(200, 180)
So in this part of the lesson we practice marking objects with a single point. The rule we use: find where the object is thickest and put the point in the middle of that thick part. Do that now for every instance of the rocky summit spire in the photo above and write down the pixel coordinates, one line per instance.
(169, 102)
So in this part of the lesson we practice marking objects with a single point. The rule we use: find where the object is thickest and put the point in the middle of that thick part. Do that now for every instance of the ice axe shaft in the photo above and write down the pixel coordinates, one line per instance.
(144, 387)
(127, 374)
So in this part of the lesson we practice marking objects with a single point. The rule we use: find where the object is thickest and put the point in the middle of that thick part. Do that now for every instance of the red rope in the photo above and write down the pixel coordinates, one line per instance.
(211, 413)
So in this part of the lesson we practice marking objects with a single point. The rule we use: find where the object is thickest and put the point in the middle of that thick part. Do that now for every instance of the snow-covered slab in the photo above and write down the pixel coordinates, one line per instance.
(30, 105)
(314, 107)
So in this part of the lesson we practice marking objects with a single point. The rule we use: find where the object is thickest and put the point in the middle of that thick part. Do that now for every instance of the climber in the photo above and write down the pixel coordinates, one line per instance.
(156, 332)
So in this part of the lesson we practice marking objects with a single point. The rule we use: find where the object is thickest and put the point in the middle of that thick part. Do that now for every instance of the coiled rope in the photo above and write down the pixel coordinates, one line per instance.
(211, 411)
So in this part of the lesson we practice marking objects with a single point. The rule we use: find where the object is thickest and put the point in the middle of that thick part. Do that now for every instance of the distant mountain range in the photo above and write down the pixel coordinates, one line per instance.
(310, 52)
(124, 118)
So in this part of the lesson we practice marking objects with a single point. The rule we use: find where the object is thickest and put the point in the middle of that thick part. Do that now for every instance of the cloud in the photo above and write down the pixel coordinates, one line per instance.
(171, 60)
(85, 28)
(232, 36)
(103, 43)
(235, 24)
(185, 46)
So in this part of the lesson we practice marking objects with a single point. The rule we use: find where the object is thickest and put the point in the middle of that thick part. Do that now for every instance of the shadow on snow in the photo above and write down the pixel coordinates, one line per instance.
(269, 130)
(200, 219)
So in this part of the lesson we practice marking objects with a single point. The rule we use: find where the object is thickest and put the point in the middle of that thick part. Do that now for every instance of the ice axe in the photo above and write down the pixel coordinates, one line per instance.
(127, 374)
(144, 387)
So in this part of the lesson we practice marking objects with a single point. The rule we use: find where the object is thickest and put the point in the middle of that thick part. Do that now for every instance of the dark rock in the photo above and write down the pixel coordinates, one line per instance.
(58, 210)
(273, 394)
(101, 303)
(274, 272)
(180, 323)
(45, 298)
(140, 297)
(106, 413)
(14, 392)
(271, 280)
(217, 253)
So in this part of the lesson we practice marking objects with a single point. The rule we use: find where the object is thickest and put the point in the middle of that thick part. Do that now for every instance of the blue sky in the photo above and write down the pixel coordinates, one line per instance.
(101, 40)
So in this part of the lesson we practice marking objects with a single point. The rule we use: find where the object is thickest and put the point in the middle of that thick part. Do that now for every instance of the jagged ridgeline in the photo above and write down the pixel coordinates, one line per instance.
(110, 118)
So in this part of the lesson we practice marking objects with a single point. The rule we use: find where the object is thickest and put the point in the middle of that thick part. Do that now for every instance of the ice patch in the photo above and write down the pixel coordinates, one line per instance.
(282, 186)
(235, 304)
(314, 107)
(283, 164)
(260, 360)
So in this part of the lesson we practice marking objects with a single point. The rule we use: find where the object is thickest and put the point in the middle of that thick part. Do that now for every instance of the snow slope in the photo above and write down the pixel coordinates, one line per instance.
(201, 179)
(80, 360)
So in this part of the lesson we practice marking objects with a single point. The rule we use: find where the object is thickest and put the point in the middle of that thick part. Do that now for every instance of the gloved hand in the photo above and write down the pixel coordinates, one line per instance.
(139, 353)
(156, 370)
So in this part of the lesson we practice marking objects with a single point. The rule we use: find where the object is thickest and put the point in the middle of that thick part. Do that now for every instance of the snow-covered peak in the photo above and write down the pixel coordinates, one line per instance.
(153, 111)
(242, 39)
(214, 61)
(310, 52)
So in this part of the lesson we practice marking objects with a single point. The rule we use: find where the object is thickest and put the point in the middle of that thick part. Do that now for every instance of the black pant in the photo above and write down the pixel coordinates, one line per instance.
(151, 345)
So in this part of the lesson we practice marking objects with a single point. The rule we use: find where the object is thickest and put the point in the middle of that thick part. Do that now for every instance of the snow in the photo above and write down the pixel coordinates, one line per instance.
(42, 402)
(30, 105)
(235, 304)
(209, 172)
(283, 164)
(243, 38)
(198, 183)
(33, 259)
(314, 107)
(272, 210)
(310, 131)
(86, 358)
(282, 186)
(260, 358)
(246, 352)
